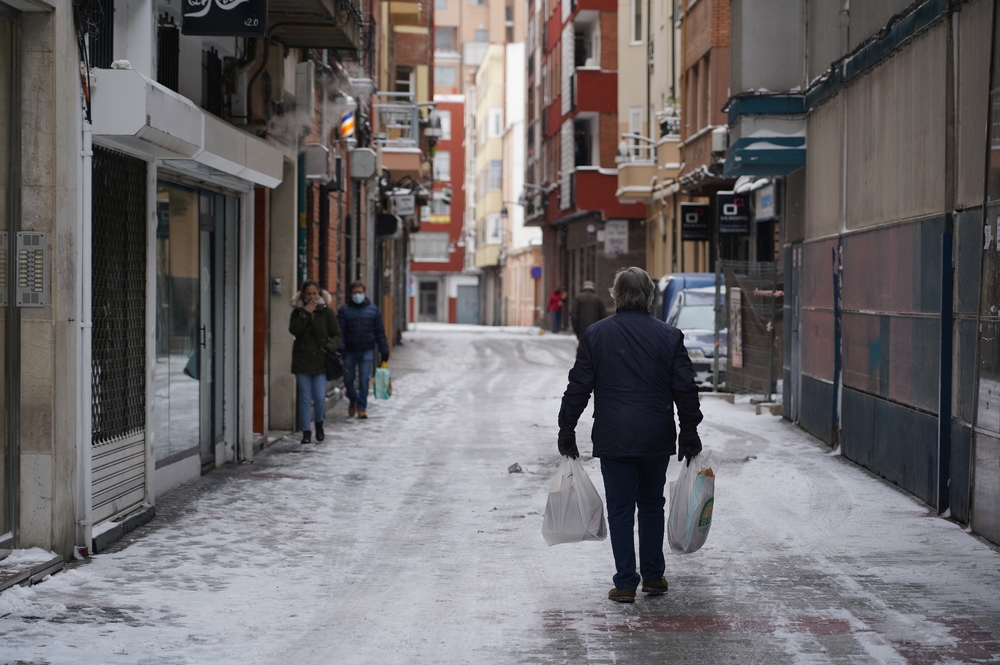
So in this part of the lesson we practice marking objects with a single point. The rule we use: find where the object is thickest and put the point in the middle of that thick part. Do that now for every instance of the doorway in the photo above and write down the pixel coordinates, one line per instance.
(427, 305)
(190, 321)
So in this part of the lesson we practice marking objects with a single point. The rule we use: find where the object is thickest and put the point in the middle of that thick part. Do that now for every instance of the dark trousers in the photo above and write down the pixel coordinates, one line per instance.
(631, 482)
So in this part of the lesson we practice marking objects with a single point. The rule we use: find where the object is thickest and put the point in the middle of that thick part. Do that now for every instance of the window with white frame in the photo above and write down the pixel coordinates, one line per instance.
(442, 165)
(439, 203)
(495, 176)
(429, 246)
(495, 122)
(636, 20)
(445, 117)
(444, 76)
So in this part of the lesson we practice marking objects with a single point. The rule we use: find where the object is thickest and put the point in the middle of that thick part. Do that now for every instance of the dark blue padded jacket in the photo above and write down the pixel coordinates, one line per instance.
(637, 368)
(361, 328)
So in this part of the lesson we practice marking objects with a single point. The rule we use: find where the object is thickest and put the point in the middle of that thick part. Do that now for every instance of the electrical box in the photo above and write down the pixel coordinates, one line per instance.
(317, 162)
(720, 139)
(32, 287)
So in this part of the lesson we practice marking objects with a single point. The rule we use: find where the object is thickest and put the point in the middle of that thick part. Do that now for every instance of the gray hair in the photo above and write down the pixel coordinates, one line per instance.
(633, 289)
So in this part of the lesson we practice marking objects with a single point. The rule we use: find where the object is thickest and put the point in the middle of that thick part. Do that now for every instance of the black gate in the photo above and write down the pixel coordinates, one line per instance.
(118, 369)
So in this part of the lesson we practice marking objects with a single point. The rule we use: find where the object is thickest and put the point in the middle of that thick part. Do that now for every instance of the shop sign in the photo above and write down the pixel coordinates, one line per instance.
(404, 205)
(616, 237)
(695, 221)
(764, 203)
(734, 214)
(221, 18)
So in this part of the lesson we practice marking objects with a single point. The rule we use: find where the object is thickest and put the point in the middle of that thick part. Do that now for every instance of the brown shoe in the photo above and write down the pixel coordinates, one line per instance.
(622, 595)
(351, 410)
(657, 588)
(362, 415)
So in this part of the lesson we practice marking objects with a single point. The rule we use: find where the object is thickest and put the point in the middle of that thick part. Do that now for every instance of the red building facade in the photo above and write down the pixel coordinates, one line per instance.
(573, 91)
(437, 251)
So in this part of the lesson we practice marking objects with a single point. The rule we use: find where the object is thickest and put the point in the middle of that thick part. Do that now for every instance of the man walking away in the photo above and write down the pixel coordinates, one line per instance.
(637, 368)
(588, 309)
(362, 328)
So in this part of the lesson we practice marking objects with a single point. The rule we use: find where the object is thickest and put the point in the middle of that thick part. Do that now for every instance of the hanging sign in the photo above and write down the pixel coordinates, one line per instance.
(734, 214)
(223, 18)
(616, 237)
(696, 221)
(404, 205)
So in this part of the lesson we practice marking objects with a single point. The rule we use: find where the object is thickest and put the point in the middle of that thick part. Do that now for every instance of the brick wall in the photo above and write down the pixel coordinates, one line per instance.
(410, 49)
(706, 26)
(698, 152)
(609, 139)
(609, 40)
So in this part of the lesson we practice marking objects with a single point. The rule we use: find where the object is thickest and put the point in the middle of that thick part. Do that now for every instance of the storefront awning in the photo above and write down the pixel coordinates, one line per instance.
(144, 117)
(766, 156)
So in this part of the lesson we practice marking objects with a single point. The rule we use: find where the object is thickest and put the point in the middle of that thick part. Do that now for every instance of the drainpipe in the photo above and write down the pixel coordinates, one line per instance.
(84, 341)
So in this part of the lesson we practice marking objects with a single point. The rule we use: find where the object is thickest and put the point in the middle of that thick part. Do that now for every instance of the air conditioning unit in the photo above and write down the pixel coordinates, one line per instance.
(720, 139)
(305, 88)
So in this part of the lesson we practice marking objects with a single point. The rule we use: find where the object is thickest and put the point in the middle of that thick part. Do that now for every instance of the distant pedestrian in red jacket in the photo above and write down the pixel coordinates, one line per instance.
(556, 301)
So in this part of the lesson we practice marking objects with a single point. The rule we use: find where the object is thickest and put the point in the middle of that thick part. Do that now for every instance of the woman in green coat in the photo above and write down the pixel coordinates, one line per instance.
(314, 324)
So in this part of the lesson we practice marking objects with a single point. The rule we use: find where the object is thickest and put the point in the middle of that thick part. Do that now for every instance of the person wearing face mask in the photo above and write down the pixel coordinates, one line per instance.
(316, 331)
(361, 323)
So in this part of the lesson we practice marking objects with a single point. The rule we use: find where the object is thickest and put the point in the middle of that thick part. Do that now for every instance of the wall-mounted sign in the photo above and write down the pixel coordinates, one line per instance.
(404, 205)
(616, 237)
(764, 203)
(735, 327)
(696, 221)
(244, 18)
(733, 211)
(536, 272)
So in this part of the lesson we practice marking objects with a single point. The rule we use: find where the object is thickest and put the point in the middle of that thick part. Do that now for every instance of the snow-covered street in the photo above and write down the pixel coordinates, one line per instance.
(405, 540)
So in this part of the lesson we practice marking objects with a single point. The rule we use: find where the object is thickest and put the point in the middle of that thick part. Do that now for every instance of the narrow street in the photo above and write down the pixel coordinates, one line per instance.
(405, 540)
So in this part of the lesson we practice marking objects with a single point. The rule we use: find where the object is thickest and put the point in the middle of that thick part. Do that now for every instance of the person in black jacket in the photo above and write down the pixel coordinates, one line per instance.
(362, 328)
(316, 331)
(588, 309)
(638, 369)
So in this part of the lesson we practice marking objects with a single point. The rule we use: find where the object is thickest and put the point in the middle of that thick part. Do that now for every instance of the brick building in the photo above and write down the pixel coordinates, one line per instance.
(572, 125)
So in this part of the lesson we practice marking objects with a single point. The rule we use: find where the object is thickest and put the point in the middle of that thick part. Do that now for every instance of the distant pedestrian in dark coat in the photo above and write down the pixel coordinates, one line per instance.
(361, 322)
(588, 309)
(316, 331)
(638, 369)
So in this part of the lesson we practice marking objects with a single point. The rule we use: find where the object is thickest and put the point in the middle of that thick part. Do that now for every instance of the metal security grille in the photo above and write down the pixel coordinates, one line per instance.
(119, 296)
(98, 17)
(118, 368)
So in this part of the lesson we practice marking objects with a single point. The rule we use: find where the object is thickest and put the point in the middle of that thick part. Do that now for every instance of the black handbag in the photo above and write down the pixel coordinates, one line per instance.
(334, 363)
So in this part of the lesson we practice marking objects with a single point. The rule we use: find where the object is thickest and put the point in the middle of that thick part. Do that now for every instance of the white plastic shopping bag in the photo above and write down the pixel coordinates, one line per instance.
(574, 510)
(692, 498)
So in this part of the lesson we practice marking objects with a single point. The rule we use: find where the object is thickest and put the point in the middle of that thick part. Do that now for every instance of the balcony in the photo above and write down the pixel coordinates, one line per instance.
(595, 90)
(320, 24)
(397, 137)
(668, 157)
(636, 168)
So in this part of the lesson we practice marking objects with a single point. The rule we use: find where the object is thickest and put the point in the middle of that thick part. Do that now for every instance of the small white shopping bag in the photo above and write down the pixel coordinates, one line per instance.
(692, 501)
(574, 510)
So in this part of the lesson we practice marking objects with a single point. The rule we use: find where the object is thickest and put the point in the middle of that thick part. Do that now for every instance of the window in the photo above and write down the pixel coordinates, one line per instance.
(444, 76)
(444, 39)
(585, 45)
(445, 117)
(481, 36)
(583, 142)
(440, 5)
(404, 79)
(496, 175)
(429, 246)
(442, 166)
(440, 203)
(635, 120)
(495, 123)
(636, 20)
(479, 2)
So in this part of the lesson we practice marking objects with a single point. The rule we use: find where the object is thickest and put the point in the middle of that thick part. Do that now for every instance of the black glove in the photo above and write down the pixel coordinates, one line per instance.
(688, 446)
(385, 357)
(567, 443)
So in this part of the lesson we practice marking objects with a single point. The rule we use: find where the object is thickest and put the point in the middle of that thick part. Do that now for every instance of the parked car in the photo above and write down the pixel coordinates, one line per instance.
(670, 287)
(693, 312)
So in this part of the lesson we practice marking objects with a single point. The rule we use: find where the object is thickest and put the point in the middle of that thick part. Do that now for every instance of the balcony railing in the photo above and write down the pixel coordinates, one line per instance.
(636, 149)
(398, 120)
